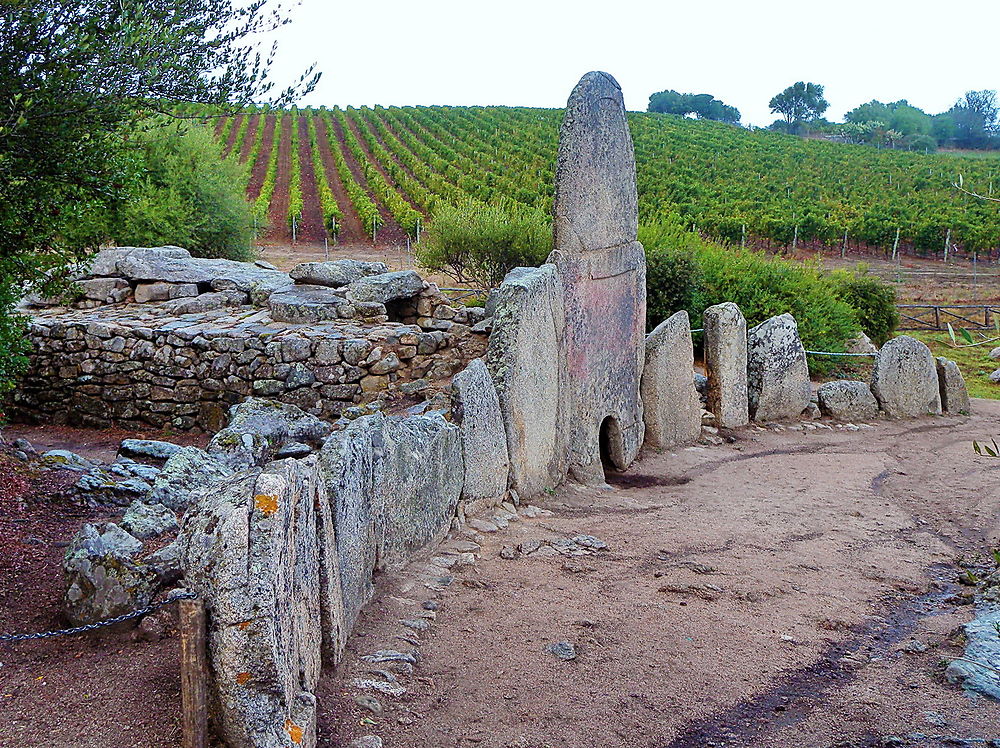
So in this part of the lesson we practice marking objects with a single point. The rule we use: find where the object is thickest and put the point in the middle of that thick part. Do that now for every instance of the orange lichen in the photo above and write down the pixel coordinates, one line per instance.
(294, 731)
(243, 625)
(242, 678)
(266, 503)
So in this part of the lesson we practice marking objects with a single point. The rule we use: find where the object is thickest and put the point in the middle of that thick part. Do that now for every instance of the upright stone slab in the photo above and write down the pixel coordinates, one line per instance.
(951, 384)
(602, 268)
(726, 364)
(671, 406)
(778, 385)
(905, 379)
(526, 359)
(476, 408)
(251, 548)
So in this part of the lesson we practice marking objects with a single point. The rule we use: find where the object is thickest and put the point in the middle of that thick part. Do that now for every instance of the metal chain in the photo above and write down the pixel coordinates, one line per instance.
(101, 624)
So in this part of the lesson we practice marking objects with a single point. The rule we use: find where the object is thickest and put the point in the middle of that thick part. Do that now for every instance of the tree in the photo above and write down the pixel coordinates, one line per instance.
(975, 118)
(703, 106)
(78, 79)
(799, 103)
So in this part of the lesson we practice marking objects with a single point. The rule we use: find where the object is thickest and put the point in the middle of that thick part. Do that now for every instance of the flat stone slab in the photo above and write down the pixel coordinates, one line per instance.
(335, 273)
(671, 405)
(305, 303)
(778, 385)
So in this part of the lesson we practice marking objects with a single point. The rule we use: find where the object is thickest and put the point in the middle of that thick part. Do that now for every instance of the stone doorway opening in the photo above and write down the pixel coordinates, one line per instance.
(611, 443)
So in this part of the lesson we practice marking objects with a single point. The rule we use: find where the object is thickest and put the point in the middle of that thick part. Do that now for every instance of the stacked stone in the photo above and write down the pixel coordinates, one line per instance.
(131, 367)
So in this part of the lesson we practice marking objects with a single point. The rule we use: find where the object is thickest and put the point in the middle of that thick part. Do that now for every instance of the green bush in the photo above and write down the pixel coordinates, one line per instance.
(13, 338)
(873, 300)
(685, 272)
(186, 196)
(481, 243)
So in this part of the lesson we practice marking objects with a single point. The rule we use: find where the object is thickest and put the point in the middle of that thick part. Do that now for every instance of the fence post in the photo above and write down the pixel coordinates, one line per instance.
(194, 675)
(937, 318)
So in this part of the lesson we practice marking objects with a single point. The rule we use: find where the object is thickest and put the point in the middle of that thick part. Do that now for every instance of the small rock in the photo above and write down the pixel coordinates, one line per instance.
(370, 684)
(913, 647)
(430, 605)
(63, 459)
(563, 650)
(589, 541)
(389, 655)
(149, 448)
(508, 553)
(368, 702)
(530, 546)
(146, 521)
(482, 525)
(367, 741)
(417, 624)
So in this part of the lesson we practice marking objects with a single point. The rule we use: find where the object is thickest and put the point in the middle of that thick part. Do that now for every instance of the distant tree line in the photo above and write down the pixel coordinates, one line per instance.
(972, 123)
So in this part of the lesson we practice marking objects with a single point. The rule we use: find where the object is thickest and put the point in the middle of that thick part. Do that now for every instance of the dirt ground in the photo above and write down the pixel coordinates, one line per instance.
(758, 593)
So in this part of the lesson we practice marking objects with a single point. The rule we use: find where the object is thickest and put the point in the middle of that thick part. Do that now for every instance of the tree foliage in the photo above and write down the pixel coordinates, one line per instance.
(799, 103)
(77, 80)
(975, 119)
(703, 106)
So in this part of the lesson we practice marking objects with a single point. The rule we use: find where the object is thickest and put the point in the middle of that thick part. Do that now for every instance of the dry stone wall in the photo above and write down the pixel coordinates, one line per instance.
(182, 363)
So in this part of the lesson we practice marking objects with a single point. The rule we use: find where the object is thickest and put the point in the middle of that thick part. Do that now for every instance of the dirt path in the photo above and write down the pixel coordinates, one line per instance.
(259, 167)
(752, 594)
(277, 214)
(247, 145)
(312, 229)
(233, 132)
(351, 230)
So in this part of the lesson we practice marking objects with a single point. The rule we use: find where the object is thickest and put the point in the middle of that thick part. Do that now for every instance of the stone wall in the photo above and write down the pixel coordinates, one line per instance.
(173, 363)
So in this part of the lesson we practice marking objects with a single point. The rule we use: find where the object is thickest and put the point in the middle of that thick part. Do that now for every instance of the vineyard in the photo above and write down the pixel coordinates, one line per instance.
(376, 175)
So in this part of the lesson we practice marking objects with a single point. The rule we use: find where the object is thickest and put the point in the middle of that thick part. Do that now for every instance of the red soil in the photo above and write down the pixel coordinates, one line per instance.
(263, 156)
(378, 137)
(378, 165)
(311, 228)
(233, 132)
(390, 231)
(277, 214)
(351, 230)
(220, 122)
(248, 140)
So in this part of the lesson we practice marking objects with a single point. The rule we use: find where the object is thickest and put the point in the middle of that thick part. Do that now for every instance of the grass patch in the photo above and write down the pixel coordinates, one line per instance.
(974, 363)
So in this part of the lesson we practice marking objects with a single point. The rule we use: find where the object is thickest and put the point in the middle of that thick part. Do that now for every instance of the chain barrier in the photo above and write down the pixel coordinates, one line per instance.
(172, 598)
(833, 353)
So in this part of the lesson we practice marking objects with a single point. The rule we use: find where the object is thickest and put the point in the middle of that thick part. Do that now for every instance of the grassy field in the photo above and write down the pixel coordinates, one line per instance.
(975, 363)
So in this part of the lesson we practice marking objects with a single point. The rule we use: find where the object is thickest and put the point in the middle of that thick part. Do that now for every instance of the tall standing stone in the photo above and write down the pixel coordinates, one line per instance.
(726, 364)
(777, 372)
(671, 406)
(905, 379)
(602, 268)
(526, 359)
(954, 395)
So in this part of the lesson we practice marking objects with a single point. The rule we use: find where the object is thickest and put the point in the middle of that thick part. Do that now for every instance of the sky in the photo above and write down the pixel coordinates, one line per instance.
(532, 52)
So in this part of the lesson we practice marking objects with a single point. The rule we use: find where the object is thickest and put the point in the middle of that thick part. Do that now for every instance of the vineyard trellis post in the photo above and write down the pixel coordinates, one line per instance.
(326, 248)
(895, 246)
(795, 239)
(294, 229)
(843, 247)
(947, 244)
(743, 237)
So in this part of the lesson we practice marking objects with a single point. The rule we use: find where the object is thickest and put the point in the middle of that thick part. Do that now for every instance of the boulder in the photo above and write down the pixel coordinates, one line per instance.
(847, 401)
(148, 448)
(671, 405)
(63, 459)
(861, 343)
(994, 376)
(386, 287)
(602, 273)
(104, 290)
(475, 407)
(726, 364)
(158, 291)
(104, 578)
(207, 302)
(258, 429)
(905, 379)
(778, 385)
(251, 549)
(105, 262)
(146, 521)
(221, 275)
(115, 484)
(185, 471)
(995, 353)
(302, 304)
(336, 273)
(951, 384)
(527, 361)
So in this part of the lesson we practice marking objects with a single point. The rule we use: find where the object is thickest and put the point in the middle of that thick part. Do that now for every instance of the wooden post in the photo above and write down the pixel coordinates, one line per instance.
(895, 245)
(743, 237)
(843, 247)
(194, 675)
(795, 239)
(947, 244)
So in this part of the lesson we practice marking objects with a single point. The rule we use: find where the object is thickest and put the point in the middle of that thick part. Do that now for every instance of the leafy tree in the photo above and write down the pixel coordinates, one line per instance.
(975, 118)
(799, 103)
(77, 80)
(703, 106)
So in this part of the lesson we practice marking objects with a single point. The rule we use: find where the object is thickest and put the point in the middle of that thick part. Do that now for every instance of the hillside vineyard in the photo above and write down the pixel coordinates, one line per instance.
(378, 174)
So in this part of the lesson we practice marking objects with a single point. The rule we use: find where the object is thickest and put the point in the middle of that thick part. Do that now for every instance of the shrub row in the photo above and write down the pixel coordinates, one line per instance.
(295, 179)
(332, 214)
(263, 201)
(363, 205)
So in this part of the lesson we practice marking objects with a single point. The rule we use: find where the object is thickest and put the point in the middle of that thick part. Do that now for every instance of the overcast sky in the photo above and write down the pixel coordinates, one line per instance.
(532, 52)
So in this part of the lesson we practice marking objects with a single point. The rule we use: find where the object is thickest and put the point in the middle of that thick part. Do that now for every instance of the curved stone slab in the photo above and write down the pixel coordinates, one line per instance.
(526, 359)
(951, 383)
(778, 385)
(847, 400)
(905, 379)
(671, 406)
